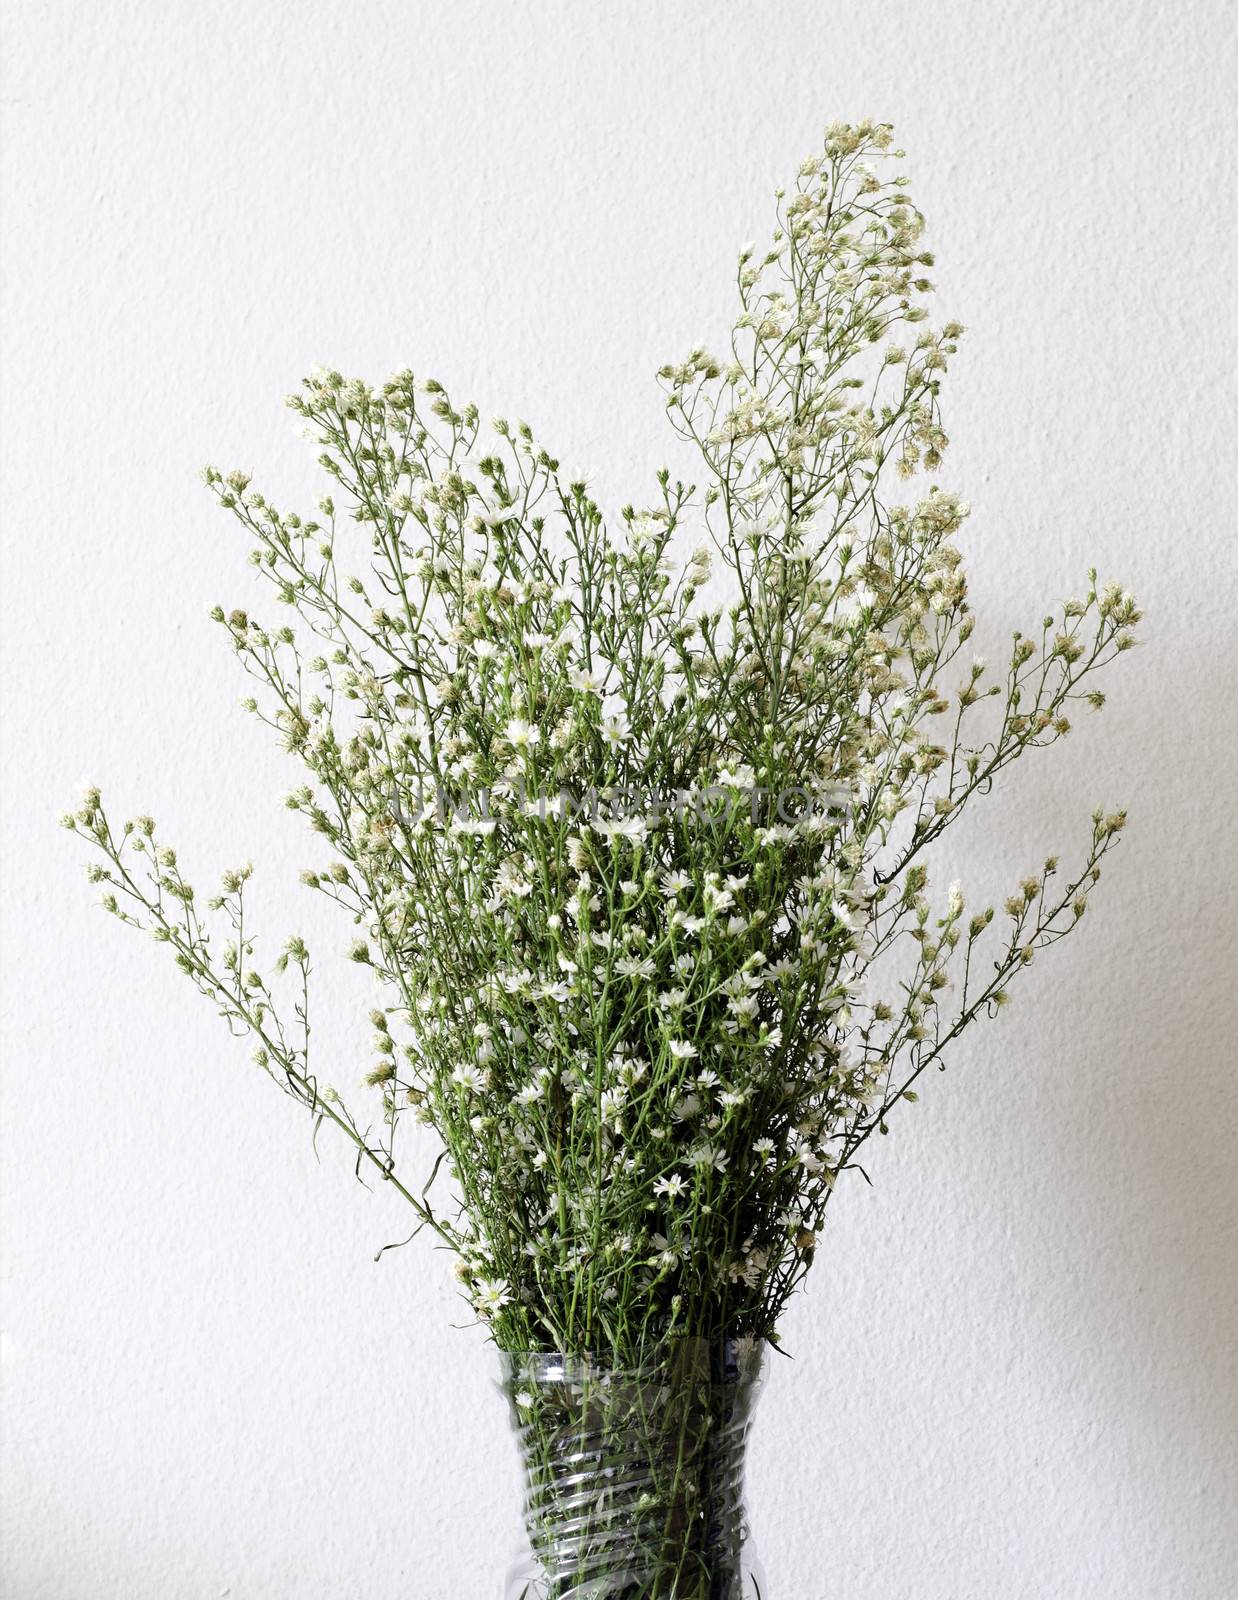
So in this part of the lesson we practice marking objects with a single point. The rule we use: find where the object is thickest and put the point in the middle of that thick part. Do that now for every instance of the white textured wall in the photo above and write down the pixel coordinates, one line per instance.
(1016, 1372)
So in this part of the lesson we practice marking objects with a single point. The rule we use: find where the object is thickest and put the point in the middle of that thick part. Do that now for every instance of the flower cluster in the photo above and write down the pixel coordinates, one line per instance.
(644, 880)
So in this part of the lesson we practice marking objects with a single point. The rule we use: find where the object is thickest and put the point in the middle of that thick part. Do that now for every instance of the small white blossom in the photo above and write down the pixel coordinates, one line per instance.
(522, 735)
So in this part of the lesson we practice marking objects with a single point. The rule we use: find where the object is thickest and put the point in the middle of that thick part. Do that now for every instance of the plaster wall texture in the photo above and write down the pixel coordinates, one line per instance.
(1015, 1369)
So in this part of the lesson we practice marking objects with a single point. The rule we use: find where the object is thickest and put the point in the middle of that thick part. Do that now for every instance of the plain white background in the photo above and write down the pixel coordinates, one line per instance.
(1016, 1372)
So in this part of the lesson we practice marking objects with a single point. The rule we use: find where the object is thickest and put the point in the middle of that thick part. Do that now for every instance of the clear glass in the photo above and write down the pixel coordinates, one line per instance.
(634, 1478)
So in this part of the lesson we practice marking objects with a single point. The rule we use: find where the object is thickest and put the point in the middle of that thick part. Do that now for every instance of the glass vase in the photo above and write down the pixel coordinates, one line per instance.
(633, 1477)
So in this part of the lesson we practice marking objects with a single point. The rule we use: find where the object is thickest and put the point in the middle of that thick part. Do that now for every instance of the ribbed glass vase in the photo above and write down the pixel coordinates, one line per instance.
(634, 1477)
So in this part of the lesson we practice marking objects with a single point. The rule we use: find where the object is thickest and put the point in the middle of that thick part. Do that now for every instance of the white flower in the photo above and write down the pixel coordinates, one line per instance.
(469, 1077)
(635, 967)
(489, 1297)
(674, 883)
(509, 884)
(615, 730)
(671, 1187)
(522, 735)
(634, 828)
(682, 1049)
(543, 806)
(709, 1156)
(585, 680)
(667, 1257)
(611, 1103)
(494, 516)
(473, 827)
(844, 914)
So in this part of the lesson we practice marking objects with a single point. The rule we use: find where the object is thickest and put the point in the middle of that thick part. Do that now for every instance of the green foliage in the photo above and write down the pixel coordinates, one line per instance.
(643, 876)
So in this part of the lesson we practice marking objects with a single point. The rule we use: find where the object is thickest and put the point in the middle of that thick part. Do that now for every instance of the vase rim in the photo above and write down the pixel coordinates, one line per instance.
(719, 1360)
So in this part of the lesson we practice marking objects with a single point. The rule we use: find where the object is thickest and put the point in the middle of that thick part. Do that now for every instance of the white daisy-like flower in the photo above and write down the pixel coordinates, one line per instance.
(635, 966)
(612, 1103)
(522, 735)
(844, 914)
(635, 829)
(710, 1157)
(682, 1049)
(671, 1187)
(495, 516)
(544, 807)
(667, 1256)
(510, 884)
(473, 827)
(490, 1297)
(467, 1076)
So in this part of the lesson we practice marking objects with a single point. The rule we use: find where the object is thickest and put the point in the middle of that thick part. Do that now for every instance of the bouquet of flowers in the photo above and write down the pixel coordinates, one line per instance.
(634, 818)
